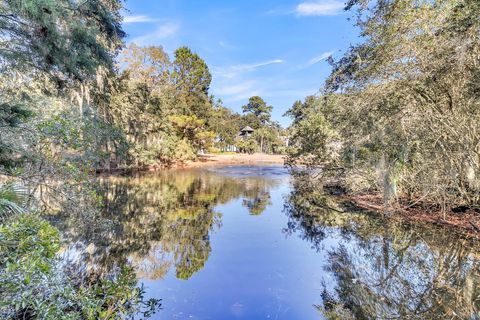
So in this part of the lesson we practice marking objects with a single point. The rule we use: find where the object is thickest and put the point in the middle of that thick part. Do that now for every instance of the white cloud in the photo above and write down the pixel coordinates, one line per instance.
(315, 60)
(226, 45)
(163, 31)
(240, 90)
(243, 95)
(138, 19)
(320, 58)
(280, 11)
(235, 88)
(232, 71)
(320, 8)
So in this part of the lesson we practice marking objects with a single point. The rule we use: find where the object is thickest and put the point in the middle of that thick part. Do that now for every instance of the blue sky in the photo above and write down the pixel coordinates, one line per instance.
(274, 49)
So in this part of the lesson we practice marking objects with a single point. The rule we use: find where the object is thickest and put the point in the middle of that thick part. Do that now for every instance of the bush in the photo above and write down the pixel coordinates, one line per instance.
(34, 284)
(247, 146)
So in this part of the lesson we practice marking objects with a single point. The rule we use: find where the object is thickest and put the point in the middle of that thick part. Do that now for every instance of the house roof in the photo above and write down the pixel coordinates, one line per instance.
(247, 128)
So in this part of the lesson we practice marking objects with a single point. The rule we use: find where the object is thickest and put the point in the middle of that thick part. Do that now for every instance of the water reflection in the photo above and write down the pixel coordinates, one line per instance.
(384, 269)
(164, 220)
(223, 230)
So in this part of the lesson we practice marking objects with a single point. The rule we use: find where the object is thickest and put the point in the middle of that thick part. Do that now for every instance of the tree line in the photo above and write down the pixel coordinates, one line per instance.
(400, 112)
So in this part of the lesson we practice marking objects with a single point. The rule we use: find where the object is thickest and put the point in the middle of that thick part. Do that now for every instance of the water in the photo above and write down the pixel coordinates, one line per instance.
(247, 243)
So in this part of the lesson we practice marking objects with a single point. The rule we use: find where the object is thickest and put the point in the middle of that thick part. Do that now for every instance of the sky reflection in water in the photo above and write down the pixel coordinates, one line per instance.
(243, 243)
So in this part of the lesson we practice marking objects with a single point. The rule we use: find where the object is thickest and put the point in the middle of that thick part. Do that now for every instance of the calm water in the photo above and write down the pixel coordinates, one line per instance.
(247, 243)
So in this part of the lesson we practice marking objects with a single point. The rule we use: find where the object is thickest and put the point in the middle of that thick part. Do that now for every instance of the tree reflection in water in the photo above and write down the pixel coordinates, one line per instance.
(163, 220)
(384, 269)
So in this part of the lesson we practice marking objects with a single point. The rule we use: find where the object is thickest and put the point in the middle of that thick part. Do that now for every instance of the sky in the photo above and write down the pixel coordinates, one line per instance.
(276, 49)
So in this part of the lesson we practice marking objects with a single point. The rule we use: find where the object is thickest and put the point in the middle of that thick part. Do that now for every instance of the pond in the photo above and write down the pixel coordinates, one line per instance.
(246, 242)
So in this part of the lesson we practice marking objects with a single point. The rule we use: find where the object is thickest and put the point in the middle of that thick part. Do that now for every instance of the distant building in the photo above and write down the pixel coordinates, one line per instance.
(245, 133)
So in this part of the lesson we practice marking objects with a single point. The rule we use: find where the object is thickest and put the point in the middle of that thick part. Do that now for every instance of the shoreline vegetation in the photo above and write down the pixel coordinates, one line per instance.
(396, 124)
(465, 221)
(460, 219)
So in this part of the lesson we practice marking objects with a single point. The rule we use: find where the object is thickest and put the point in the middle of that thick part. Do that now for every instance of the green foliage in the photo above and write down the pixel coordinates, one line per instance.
(57, 61)
(191, 81)
(313, 137)
(35, 284)
(162, 107)
(225, 124)
(12, 114)
(190, 73)
(267, 134)
(258, 107)
(268, 138)
(193, 130)
(62, 38)
(48, 48)
(248, 146)
(400, 111)
(12, 198)
(28, 244)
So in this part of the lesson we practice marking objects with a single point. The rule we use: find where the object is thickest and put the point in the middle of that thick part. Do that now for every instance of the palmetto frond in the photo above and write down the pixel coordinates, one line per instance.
(12, 199)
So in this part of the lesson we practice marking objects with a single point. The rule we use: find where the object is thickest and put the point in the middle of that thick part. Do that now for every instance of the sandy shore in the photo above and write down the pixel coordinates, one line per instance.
(238, 158)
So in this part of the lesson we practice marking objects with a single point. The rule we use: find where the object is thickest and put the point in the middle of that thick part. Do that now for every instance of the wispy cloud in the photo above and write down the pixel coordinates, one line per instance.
(226, 45)
(280, 11)
(243, 96)
(162, 32)
(319, 58)
(138, 19)
(235, 89)
(232, 71)
(239, 91)
(320, 8)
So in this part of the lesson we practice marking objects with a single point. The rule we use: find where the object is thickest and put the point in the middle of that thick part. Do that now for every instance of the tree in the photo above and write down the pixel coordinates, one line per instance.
(49, 52)
(247, 146)
(163, 107)
(225, 123)
(299, 109)
(193, 130)
(258, 107)
(140, 103)
(191, 79)
(66, 42)
(64, 39)
(378, 262)
(403, 104)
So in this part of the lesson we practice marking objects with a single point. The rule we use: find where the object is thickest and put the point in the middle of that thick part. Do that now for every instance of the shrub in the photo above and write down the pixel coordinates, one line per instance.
(34, 284)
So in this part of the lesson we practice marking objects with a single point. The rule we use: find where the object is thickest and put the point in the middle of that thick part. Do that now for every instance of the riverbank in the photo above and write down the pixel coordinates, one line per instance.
(204, 161)
(464, 220)
(231, 159)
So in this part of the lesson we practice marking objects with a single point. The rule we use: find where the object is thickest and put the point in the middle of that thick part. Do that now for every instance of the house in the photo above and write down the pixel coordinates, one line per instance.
(245, 133)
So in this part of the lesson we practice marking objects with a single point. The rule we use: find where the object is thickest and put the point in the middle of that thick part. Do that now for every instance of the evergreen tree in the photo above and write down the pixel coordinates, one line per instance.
(258, 107)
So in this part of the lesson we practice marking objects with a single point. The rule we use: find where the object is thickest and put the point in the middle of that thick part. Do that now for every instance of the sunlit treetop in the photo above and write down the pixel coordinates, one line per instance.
(65, 39)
